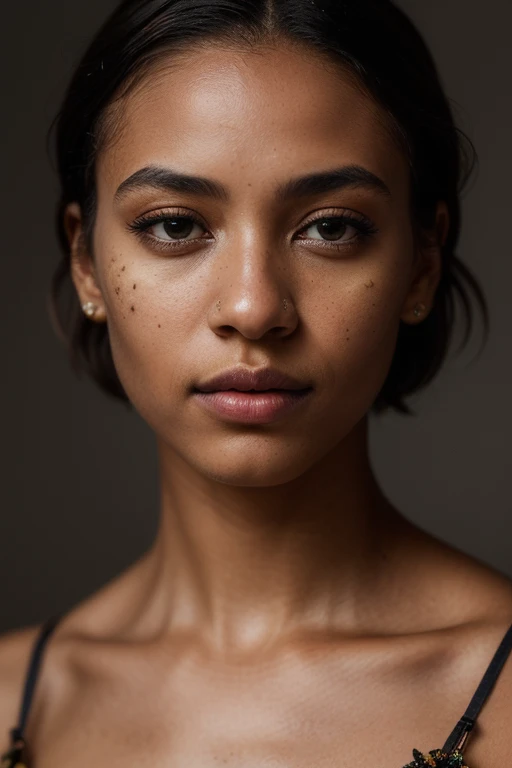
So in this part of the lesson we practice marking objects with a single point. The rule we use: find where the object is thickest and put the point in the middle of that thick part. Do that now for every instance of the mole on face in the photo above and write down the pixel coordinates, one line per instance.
(134, 286)
(123, 269)
(370, 284)
(132, 308)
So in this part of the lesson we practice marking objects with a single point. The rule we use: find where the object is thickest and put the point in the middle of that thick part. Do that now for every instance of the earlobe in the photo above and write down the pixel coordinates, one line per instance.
(82, 264)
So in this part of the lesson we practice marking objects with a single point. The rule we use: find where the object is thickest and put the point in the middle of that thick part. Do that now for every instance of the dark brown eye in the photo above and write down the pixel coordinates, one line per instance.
(331, 229)
(177, 227)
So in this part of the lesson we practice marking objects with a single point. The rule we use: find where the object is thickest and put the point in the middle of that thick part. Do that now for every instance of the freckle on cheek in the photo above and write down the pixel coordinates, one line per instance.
(159, 326)
(134, 286)
(123, 269)
(132, 308)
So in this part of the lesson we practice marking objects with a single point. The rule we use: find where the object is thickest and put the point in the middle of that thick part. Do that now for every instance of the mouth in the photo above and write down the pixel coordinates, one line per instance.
(243, 379)
(252, 406)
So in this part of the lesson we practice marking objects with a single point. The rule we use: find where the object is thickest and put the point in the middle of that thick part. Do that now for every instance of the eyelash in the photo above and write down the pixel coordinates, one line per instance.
(365, 229)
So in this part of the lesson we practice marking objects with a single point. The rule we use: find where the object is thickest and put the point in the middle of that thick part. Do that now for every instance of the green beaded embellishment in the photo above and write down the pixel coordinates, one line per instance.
(437, 759)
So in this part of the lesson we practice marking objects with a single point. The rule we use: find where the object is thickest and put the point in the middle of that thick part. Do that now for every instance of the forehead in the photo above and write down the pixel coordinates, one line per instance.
(250, 118)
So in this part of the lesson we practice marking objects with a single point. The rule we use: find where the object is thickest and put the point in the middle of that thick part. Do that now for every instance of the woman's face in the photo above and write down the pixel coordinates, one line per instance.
(252, 122)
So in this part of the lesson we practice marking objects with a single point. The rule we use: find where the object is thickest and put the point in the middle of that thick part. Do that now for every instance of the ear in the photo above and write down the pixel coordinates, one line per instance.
(82, 264)
(428, 267)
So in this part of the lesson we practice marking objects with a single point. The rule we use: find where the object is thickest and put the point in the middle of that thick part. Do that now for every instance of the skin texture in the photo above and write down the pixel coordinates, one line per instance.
(287, 613)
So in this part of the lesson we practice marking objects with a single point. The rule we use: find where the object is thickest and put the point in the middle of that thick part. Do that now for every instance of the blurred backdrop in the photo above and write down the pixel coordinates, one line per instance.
(79, 481)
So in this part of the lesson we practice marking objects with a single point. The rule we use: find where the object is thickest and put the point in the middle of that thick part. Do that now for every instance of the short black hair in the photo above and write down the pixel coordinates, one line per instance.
(372, 39)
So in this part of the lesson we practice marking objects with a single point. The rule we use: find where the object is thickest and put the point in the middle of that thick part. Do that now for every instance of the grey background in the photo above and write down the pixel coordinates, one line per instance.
(79, 482)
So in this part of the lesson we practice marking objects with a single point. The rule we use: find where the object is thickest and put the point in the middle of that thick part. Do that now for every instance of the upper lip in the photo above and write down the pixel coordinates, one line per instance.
(245, 379)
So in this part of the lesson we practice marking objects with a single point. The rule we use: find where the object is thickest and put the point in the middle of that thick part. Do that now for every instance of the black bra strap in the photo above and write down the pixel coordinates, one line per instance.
(460, 733)
(17, 733)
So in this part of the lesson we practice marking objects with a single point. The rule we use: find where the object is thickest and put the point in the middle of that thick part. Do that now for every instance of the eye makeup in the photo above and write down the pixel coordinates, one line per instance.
(346, 220)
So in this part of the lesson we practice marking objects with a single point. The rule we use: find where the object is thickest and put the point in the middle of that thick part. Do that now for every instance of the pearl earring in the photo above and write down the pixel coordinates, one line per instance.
(89, 308)
(419, 309)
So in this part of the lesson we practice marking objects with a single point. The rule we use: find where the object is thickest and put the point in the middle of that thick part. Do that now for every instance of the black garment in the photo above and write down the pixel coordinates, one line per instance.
(450, 756)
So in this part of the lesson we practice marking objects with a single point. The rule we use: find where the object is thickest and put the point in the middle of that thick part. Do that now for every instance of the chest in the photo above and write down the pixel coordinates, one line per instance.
(248, 719)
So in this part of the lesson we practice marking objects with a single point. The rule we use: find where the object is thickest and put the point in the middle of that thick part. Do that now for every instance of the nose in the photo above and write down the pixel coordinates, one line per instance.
(253, 295)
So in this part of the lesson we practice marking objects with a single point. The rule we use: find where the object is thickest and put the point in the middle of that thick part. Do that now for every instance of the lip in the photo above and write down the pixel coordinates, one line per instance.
(252, 407)
(244, 379)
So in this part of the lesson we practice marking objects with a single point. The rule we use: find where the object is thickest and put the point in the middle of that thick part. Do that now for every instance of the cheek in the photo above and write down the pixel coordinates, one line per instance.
(355, 334)
(151, 320)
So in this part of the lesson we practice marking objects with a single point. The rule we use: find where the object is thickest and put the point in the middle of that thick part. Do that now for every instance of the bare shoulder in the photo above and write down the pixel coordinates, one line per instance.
(491, 742)
(493, 736)
(15, 651)
(452, 585)
(473, 602)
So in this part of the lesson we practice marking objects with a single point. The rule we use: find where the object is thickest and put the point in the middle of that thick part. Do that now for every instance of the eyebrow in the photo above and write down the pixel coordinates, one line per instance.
(168, 180)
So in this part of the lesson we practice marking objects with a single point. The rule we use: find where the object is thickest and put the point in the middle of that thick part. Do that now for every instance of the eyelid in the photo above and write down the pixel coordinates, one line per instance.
(337, 213)
(161, 214)
(154, 217)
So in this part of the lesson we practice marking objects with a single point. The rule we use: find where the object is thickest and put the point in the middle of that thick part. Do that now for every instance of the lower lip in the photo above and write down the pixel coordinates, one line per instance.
(252, 407)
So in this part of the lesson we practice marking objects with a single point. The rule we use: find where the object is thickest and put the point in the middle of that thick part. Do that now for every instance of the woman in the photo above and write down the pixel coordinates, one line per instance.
(259, 218)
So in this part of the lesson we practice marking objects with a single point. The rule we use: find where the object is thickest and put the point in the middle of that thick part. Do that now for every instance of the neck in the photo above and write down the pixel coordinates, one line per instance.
(244, 566)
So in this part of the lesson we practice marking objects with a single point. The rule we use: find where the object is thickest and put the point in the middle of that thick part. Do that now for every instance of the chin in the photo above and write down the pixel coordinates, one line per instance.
(256, 467)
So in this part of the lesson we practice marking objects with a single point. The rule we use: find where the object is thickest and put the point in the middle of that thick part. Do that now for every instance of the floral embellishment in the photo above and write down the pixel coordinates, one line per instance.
(11, 760)
(14, 758)
(437, 759)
